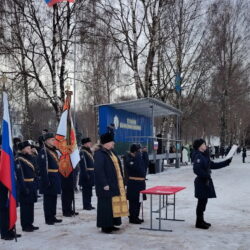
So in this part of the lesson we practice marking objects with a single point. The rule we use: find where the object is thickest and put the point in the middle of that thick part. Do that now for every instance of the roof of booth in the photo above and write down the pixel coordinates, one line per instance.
(144, 107)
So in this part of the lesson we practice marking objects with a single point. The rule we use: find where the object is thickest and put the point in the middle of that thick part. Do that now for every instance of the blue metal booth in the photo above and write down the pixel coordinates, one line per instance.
(134, 122)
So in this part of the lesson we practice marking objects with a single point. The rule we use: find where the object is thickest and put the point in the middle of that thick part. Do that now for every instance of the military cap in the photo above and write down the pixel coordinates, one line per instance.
(86, 140)
(24, 144)
(107, 137)
(197, 143)
(48, 136)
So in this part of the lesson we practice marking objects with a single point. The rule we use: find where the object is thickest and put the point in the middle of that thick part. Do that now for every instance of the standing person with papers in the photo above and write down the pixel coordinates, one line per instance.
(204, 187)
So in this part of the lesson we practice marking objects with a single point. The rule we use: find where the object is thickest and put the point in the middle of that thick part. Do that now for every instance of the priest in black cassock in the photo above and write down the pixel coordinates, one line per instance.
(110, 191)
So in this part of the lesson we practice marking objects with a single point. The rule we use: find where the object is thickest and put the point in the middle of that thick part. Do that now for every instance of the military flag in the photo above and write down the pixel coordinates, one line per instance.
(66, 140)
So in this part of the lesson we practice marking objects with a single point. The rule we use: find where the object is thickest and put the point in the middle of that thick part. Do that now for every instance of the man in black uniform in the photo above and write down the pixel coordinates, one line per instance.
(86, 179)
(203, 183)
(40, 139)
(50, 179)
(26, 179)
(135, 168)
(67, 184)
(244, 154)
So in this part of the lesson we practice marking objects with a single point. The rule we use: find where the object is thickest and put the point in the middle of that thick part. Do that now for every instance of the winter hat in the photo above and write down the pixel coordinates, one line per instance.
(48, 136)
(107, 137)
(197, 143)
(85, 140)
(133, 148)
(24, 144)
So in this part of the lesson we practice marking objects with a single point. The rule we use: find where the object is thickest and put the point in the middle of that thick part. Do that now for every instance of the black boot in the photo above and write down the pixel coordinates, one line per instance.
(208, 224)
(107, 230)
(201, 224)
(135, 220)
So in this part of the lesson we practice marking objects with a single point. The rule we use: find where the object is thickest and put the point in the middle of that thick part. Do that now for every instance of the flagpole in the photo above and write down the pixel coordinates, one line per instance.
(69, 93)
(15, 233)
(74, 118)
(74, 80)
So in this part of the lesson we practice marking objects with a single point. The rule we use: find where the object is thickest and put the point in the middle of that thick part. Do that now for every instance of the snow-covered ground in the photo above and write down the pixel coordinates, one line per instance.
(229, 215)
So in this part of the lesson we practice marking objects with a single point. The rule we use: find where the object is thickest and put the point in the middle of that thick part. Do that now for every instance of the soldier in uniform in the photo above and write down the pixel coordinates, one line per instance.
(50, 178)
(111, 196)
(203, 183)
(67, 184)
(40, 139)
(26, 180)
(86, 180)
(135, 168)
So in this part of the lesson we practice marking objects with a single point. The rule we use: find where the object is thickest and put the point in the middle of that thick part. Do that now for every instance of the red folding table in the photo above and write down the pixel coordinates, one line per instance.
(163, 192)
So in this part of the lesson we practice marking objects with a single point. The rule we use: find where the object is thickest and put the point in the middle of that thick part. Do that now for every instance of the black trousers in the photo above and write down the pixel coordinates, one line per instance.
(4, 212)
(67, 193)
(86, 196)
(201, 207)
(105, 214)
(76, 172)
(134, 209)
(4, 221)
(49, 206)
(27, 214)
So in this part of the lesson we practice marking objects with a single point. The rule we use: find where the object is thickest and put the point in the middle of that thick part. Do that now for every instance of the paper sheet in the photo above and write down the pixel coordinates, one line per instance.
(231, 152)
(229, 155)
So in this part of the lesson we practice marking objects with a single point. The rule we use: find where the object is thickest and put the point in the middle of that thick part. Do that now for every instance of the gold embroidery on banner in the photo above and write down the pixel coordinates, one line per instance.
(119, 203)
(65, 167)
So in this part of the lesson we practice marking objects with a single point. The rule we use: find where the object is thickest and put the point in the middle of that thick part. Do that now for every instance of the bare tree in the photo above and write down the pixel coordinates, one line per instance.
(229, 36)
(44, 41)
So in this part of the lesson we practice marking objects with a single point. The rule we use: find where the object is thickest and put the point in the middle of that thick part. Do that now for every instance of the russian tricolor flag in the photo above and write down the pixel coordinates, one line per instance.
(52, 2)
(7, 165)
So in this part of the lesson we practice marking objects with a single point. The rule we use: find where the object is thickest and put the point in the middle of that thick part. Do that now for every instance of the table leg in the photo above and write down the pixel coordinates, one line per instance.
(174, 205)
(166, 207)
(142, 215)
(174, 208)
(159, 212)
(151, 212)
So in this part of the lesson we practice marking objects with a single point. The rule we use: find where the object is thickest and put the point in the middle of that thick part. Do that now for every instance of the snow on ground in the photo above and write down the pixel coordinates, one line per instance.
(228, 214)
